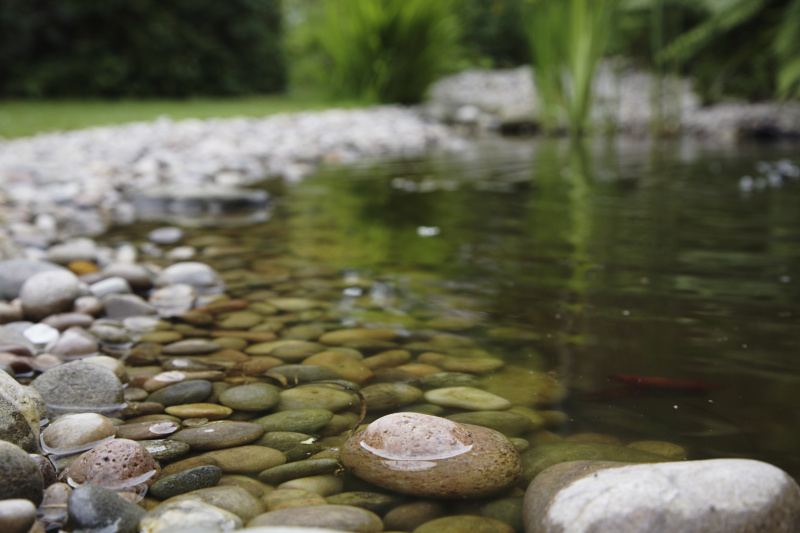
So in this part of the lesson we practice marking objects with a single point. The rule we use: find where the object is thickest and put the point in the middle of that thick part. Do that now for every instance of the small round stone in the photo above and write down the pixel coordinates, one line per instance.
(233, 499)
(389, 396)
(202, 277)
(409, 516)
(507, 423)
(311, 396)
(246, 459)
(115, 465)
(186, 481)
(193, 514)
(296, 421)
(250, 398)
(371, 501)
(79, 386)
(193, 391)
(94, 508)
(218, 435)
(467, 398)
(298, 469)
(327, 485)
(49, 292)
(210, 411)
(347, 367)
(71, 433)
(20, 476)
(16, 515)
(433, 457)
(459, 524)
(338, 517)
(286, 498)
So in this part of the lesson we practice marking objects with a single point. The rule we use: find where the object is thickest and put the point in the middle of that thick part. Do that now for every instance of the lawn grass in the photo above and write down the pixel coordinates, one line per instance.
(20, 118)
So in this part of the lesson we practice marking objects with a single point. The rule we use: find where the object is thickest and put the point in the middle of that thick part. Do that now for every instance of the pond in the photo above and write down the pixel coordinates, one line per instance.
(675, 261)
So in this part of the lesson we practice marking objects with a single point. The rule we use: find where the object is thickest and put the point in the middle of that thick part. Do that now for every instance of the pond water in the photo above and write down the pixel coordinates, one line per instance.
(677, 260)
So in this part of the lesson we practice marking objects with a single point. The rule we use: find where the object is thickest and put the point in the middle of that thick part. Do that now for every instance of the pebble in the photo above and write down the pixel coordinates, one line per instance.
(19, 414)
(191, 347)
(433, 457)
(173, 300)
(296, 421)
(250, 398)
(507, 423)
(409, 516)
(211, 411)
(467, 398)
(246, 459)
(298, 469)
(20, 476)
(310, 396)
(122, 306)
(389, 396)
(16, 515)
(202, 277)
(76, 432)
(193, 391)
(147, 430)
(287, 498)
(16, 271)
(192, 514)
(459, 524)
(165, 449)
(186, 481)
(299, 374)
(233, 499)
(327, 485)
(117, 465)
(79, 386)
(375, 502)
(91, 507)
(337, 517)
(48, 292)
(343, 364)
(52, 512)
(344, 336)
(218, 435)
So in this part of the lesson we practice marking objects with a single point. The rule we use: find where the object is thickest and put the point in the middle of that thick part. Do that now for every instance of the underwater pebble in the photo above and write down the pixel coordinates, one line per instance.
(116, 465)
(193, 514)
(16, 515)
(20, 476)
(186, 481)
(71, 433)
(217, 435)
(245, 459)
(337, 517)
(467, 398)
(94, 508)
(250, 398)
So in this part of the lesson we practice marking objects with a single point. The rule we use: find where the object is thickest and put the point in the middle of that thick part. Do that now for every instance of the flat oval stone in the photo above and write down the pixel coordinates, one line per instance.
(246, 459)
(298, 374)
(326, 485)
(471, 365)
(433, 457)
(467, 398)
(389, 396)
(343, 336)
(283, 440)
(250, 398)
(346, 366)
(458, 524)
(218, 435)
(20, 476)
(338, 517)
(202, 277)
(191, 347)
(298, 469)
(310, 396)
(297, 420)
(79, 387)
(287, 498)
(409, 516)
(17, 515)
(165, 449)
(233, 499)
(371, 501)
(194, 391)
(186, 481)
(147, 430)
(507, 423)
(211, 411)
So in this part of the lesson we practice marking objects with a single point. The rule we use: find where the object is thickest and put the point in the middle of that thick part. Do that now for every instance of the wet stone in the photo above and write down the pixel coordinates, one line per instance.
(19, 414)
(289, 471)
(79, 386)
(310, 396)
(295, 351)
(509, 424)
(193, 514)
(120, 306)
(147, 430)
(48, 292)
(71, 433)
(94, 508)
(191, 347)
(186, 481)
(165, 449)
(20, 476)
(375, 502)
(343, 336)
(326, 485)
(116, 465)
(202, 277)
(63, 321)
(343, 364)
(389, 396)
(184, 392)
(233, 499)
(251, 485)
(209, 411)
(471, 365)
(459, 524)
(337, 517)
(297, 421)
(467, 398)
(388, 359)
(246, 459)
(161, 337)
(432, 457)
(282, 440)
(217, 435)
(297, 374)
(240, 320)
(250, 398)
(16, 515)
(288, 498)
(410, 516)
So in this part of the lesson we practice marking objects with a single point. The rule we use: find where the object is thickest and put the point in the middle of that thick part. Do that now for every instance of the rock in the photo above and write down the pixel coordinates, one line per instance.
(210, 411)
(217, 435)
(122, 306)
(186, 481)
(343, 336)
(310, 467)
(521, 386)
(202, 277)
(165, 449)
(337, 517)
(467, 398)
(110, 285)
(48, 292)
(193, 391)
(74, 343)
(296, 421)
(16, 515)
(52, 512)
(94, 508)
(286, 498)
(311, 396)
(658, 447)
(298, 374)
(148, 430)
(79, 386)
(507, 423)
(250, 398)
(347, 367)
(389, 396)
(371, 501)
(323, 485)
(173, 300)
(20, 476)
(433, 457)
(19, 415)
(246, 459)
(508, 510)
(458, 524)
(117, 465)
(191, 347)
(76, 432)
(410, 516)
(711, 495)
(191, 514)
(233, 499)
(470, 365)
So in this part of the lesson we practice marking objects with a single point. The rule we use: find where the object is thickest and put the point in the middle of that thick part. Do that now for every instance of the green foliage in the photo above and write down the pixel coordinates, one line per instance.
(787, 49)
(139, 48)
(386, 50)
(492, 33)
(567, 39)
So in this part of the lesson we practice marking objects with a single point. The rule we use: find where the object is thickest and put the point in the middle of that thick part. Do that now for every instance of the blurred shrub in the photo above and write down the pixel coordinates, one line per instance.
(493, 35)
(140, 48)
(384, 50)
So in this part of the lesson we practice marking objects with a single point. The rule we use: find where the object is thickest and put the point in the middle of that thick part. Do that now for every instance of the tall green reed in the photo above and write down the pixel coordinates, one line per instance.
(568, 39)
(387, 51)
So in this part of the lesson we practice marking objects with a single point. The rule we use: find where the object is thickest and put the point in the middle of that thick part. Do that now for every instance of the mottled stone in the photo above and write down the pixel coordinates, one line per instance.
(186, 481)
(190, 513)
(79, 387)
(165, 449)
(246, 459)
(250, 398)
(19, 415)
(691, 496)
(337, 517)
(116, 465)
(297, 421)
(432, 457)
(459, 524)
(193, 391)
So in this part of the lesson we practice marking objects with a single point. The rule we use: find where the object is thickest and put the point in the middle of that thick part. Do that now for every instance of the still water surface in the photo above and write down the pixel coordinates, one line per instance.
(678, 260)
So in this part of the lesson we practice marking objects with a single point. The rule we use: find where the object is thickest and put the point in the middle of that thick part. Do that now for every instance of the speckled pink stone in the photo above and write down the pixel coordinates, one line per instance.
(432, 457)
(115, 465)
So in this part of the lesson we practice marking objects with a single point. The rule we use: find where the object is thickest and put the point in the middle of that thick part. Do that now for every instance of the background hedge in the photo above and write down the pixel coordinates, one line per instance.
(140, 48)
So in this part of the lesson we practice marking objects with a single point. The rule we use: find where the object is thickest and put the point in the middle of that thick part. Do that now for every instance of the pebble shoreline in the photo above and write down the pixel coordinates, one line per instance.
(141, 391)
